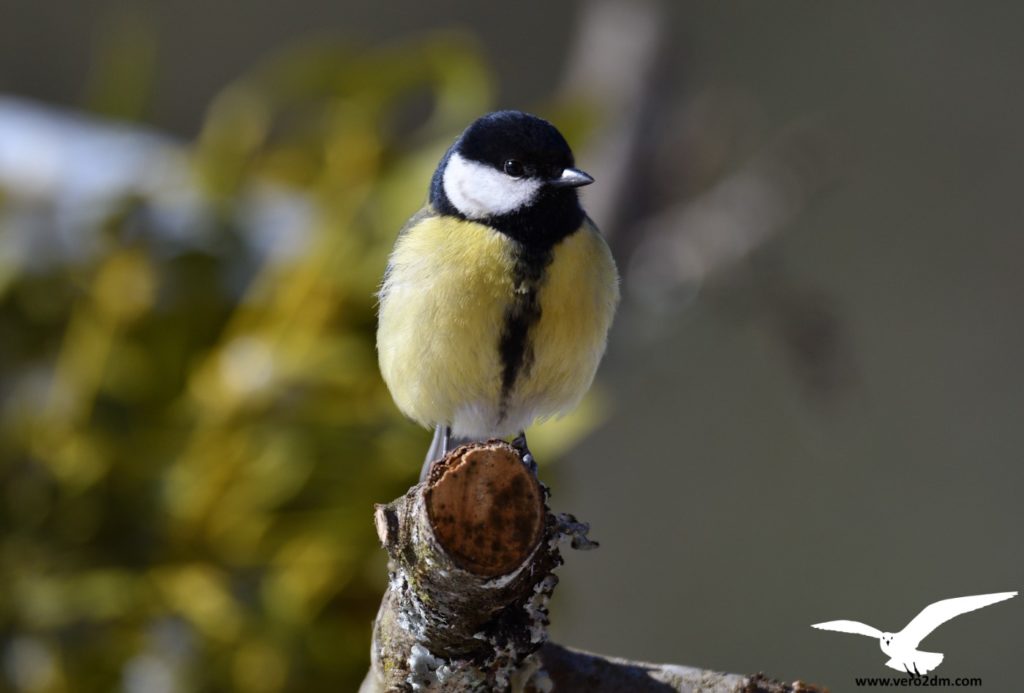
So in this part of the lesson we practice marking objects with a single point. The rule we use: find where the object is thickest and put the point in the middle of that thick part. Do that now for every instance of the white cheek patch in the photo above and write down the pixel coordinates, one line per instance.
(479, 191)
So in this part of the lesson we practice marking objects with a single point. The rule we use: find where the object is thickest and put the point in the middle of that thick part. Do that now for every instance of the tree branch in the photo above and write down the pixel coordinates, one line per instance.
(472, 552)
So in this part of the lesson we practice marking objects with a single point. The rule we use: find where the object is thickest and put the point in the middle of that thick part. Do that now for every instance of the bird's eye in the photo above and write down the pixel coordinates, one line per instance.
(514, 168)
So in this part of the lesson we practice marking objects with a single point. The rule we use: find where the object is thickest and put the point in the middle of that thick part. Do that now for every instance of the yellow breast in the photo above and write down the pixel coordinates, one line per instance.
(443, 307)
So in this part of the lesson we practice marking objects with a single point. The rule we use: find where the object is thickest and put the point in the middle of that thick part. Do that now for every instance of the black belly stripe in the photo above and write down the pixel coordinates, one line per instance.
(515, 345)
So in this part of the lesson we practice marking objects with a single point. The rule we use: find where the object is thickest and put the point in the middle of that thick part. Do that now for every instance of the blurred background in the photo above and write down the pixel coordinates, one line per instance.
(811, 407)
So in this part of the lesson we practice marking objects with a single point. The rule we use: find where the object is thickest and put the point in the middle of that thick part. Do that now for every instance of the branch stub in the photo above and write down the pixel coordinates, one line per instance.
(486, 508)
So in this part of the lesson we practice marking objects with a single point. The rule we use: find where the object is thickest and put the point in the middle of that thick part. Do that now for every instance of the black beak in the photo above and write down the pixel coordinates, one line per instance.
(571, 178)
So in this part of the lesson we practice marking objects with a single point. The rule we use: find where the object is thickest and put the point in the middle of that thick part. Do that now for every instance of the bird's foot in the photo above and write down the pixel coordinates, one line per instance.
(440, 446)
(519, 443)
(446, 441)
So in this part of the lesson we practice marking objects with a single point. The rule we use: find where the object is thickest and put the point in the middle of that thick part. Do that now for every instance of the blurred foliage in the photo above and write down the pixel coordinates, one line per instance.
(192, 434)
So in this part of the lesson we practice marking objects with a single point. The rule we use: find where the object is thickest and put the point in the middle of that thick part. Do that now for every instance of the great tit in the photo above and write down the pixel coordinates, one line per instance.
(495, 306)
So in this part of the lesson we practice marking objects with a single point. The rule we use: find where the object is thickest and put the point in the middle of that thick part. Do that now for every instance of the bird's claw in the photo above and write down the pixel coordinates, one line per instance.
(519, 443)
(529, 462)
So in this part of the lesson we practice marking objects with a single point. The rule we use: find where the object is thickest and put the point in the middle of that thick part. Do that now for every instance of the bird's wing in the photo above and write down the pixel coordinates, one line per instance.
(425, 212)
(934, 615)
(855, 627)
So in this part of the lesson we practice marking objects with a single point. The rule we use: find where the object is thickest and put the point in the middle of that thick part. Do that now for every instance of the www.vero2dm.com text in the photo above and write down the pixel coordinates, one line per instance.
(917, 681)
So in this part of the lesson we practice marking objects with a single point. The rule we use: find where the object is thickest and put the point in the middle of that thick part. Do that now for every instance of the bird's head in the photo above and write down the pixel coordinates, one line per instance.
(504, 163)
(886, 640)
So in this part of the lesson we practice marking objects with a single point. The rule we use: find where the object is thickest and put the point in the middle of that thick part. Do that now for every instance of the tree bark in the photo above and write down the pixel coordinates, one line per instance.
(472, 551)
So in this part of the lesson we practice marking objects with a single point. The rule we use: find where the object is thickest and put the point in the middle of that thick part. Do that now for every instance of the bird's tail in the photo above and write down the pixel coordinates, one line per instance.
(926, 661)
(915, 662)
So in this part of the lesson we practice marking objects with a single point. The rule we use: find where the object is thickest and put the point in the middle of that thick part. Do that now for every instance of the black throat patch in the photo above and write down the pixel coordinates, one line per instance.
(554, 214)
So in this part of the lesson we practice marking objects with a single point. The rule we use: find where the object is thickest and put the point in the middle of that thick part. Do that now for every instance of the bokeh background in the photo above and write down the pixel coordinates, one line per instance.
(812, 403)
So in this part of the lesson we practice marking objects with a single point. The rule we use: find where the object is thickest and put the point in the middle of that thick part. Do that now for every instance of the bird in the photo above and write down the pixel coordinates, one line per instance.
(902, 647)
(499, 294)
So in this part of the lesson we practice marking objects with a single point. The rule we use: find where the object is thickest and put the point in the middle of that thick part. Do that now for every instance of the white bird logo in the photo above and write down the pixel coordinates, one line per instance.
(902, 647)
